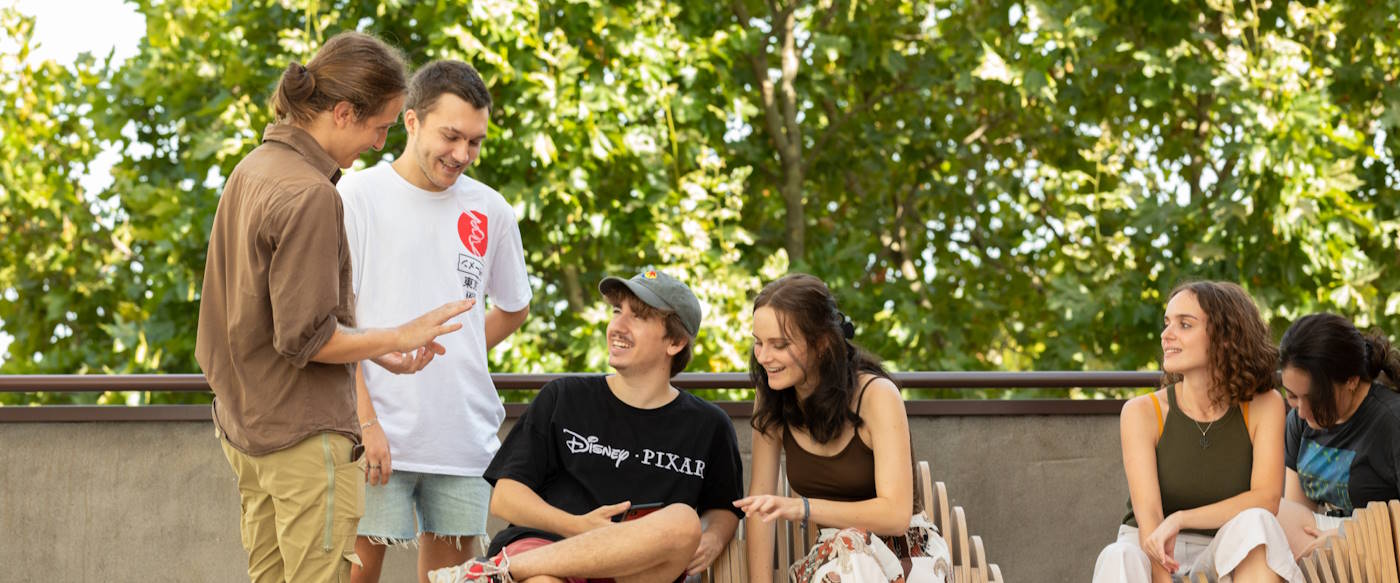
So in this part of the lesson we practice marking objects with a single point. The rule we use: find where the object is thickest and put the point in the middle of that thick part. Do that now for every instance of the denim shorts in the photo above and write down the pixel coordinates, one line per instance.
(445, 505)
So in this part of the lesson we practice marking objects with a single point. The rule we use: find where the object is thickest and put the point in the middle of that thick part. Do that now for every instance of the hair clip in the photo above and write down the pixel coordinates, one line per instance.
(847, 328)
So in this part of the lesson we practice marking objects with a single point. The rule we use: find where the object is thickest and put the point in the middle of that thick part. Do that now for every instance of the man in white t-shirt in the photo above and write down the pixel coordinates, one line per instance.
(420, 234)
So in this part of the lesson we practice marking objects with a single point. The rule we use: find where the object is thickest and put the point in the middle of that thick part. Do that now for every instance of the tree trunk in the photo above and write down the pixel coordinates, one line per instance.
(796, 215)
(780, 118)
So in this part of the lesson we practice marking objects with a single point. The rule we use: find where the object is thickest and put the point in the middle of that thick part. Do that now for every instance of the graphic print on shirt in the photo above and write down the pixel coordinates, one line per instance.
(1325, 474)
(579, 444)
(472, 230)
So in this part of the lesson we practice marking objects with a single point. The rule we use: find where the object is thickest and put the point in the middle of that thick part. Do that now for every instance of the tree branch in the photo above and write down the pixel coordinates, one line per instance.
(780, 116)
(839, 125)
(765, 86)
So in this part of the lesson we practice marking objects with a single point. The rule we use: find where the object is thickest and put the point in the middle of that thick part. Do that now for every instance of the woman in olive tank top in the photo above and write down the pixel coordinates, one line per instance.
(1204, 454)
(840, 421)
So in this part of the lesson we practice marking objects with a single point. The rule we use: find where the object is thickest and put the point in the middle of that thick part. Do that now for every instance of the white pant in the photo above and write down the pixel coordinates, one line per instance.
(1325, 522)
(1125, 562)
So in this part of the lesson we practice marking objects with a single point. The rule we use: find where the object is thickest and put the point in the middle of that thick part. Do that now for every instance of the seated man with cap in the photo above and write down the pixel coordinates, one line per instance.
(617, 477)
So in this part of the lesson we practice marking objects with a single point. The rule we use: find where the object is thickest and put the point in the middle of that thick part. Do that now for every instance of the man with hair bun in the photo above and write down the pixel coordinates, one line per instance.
(277, 333)
(421, 233)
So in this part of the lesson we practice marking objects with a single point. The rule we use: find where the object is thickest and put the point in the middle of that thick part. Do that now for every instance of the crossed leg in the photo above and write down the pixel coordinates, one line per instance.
(653, 549)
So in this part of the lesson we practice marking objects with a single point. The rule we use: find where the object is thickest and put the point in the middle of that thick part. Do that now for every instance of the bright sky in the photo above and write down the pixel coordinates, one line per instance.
(64, 28)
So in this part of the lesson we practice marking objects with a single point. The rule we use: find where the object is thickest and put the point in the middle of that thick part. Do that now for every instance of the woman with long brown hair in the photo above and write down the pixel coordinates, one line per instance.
(1204, 454)
(839, 420)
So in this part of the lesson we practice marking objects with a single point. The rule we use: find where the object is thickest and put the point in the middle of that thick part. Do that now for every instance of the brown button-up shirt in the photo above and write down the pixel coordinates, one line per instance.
(276, 283)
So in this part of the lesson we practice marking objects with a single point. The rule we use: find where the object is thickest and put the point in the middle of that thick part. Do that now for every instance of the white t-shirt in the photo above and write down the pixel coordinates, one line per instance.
(414, 250)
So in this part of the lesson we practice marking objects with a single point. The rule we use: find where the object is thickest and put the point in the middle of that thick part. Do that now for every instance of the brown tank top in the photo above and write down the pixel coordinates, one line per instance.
(1195, 470)
(848, 476)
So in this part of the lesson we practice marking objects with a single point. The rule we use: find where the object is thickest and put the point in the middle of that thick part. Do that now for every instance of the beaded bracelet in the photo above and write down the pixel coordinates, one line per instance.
(806, 511)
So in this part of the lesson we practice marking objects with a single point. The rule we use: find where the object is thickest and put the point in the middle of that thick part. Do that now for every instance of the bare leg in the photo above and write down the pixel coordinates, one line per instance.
(1293, 517)
(654, 548)
(1255, 568)
(371, 557)
(436, 552)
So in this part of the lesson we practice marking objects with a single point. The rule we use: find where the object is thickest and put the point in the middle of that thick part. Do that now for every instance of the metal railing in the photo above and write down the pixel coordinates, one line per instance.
(956, 381)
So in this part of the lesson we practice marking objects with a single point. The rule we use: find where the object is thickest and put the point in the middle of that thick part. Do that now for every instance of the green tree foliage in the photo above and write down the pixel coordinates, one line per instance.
(60, 292)
(986, 185)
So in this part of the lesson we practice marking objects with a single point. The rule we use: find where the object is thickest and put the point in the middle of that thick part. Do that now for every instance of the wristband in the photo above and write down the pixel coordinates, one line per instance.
(368, 424)
(806, 511)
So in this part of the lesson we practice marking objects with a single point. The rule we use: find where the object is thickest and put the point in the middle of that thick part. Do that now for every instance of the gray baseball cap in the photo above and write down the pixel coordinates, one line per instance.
(660, 291)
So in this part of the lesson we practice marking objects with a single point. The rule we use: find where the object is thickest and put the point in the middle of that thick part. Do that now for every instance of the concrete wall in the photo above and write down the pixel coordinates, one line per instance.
(157, 502)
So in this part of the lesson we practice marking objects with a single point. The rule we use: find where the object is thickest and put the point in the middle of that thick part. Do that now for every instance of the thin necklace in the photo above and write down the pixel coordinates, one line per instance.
(1205, 441)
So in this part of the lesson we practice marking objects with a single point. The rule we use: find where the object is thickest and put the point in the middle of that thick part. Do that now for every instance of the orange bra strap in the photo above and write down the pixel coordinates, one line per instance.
(1157, 405)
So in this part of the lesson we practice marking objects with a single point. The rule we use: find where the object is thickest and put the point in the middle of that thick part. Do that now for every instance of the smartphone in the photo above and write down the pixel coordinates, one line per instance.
(639, 510)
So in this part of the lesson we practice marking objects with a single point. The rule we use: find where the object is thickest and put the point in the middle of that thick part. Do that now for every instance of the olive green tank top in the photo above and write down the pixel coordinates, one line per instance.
(1200, 463)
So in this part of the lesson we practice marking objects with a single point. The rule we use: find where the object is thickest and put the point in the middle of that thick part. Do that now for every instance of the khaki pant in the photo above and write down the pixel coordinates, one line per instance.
(301, 506)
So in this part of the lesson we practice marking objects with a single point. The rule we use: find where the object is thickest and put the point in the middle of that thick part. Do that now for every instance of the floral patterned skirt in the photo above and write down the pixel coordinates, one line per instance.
(853, 555)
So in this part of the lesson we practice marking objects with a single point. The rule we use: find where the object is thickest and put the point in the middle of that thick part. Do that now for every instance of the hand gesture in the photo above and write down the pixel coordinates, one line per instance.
(1319, 540)
(409, 362)
(601, 516)
(422, 330)
(1161, 544)
(379, 465)
(768, 507)
(709, 549)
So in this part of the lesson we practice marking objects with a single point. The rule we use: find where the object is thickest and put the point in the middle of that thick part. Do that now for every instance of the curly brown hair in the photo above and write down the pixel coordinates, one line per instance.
(1242, 353)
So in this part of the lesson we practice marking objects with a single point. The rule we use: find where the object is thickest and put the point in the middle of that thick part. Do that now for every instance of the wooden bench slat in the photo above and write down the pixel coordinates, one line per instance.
(792, 542)
(1326, 566)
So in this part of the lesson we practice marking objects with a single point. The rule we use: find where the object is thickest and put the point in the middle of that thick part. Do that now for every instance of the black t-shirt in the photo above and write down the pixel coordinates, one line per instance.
(1354, 463)
(579, 447)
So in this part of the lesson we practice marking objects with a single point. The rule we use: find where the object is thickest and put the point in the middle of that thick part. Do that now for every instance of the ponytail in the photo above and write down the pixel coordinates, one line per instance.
(352, 67)
(296, 88)
(1381, 357)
